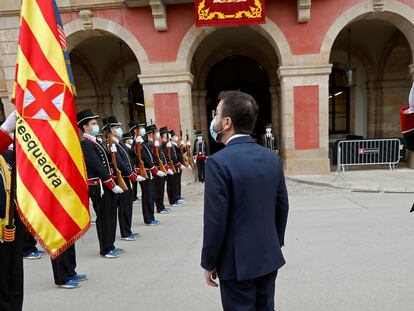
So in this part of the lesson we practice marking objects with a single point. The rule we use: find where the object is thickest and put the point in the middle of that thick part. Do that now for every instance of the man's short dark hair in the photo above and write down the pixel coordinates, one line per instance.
(241, 108)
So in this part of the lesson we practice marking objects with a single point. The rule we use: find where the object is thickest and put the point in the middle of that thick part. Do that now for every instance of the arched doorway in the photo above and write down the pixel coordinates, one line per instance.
(106, 72)
(244, 74)
(235, 59)
(368, 104)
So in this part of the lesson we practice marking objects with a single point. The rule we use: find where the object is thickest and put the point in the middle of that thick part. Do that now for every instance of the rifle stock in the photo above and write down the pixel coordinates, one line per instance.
(183, 160)
(119, 179)
(160, 164)
(138, 148)
(188, 149)
(169, 160)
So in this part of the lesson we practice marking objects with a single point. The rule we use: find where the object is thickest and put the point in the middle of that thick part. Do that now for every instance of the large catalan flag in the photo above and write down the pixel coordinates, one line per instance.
(52, 192)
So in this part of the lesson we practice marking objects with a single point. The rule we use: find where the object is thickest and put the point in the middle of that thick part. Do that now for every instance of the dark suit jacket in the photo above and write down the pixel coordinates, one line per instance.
(245, 211)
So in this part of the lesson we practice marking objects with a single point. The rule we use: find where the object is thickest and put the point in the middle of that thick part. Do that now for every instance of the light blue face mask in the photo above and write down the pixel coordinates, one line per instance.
(142, 132)
(119, 132)
(213, 132)
(157, 135)
(94, 130)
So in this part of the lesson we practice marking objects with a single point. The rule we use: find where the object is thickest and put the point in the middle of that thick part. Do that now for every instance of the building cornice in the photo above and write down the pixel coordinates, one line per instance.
(300, 71)
(166, 78)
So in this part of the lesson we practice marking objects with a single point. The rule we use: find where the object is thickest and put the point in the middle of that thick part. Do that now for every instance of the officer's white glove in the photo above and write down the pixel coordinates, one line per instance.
(161, 174)
(117, 189)
(169, 145)
(188, 143)
(140, 178)
(113, 148)
(10, 124)
(156, 143)
(139, 140)
(170, 172)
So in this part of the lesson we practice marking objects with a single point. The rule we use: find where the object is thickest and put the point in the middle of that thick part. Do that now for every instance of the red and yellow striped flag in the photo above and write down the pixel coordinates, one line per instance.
(52, 191)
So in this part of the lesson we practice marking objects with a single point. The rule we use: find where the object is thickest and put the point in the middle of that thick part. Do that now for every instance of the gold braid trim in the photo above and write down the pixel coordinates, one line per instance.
(5, 175)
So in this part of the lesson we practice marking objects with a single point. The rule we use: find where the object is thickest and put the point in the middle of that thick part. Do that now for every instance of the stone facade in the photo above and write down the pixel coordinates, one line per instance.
(298, 47)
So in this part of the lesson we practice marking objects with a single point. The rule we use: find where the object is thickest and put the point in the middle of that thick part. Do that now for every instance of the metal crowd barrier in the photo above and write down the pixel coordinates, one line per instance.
(368, 152)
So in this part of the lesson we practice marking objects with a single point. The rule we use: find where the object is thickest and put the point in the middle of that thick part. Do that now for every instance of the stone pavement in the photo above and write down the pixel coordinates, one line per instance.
(344, 251)
(374, 180)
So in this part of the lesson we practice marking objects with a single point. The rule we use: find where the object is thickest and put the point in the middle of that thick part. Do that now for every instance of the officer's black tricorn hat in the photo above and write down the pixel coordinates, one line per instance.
(198, 133)
(127, 136)
(111, 120)
(84, 116)
(150, 129)
(163, 130)
(134, 124)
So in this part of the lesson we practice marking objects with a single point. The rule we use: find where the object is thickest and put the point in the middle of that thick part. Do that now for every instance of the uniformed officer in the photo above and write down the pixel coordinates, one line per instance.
(127, 169)
(102, 186)
(147, 186)
(181, 164)
(64, 269)
(160, 181)
(134, 129)
(128, 143)
(200, 153)
(11, 259)
(268, 140)
(172, 186)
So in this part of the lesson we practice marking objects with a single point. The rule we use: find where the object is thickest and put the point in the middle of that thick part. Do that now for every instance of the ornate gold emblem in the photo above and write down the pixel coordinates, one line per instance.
(204, 13)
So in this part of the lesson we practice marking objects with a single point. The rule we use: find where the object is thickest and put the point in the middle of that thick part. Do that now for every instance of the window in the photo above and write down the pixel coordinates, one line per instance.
(338, 103)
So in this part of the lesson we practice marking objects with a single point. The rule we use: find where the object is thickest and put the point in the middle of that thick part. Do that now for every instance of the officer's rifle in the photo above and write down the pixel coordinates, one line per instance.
(188, 149)
(119, 179)
(168, 154)
(183, 160)
(157, 155)
(138, 148)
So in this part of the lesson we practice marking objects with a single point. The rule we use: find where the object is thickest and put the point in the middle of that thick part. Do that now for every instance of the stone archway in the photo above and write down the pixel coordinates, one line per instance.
(76, 27)
(394, 12)
(195, 35)
(100, 77)
(247, 54)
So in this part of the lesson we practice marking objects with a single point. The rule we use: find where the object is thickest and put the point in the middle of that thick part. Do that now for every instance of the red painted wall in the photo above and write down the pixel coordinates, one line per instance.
(306, 119)
(303, 38)
(167, 112)
(160, 46)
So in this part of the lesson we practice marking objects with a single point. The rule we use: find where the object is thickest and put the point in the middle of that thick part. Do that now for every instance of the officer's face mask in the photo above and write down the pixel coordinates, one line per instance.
(175, 139)
(94, 130)
(157, 135)
(142, 132)
(268, 130)
(118, 132)
(129, 141)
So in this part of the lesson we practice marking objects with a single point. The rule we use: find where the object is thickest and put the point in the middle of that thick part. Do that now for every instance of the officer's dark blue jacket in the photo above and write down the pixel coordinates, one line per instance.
(245, 211)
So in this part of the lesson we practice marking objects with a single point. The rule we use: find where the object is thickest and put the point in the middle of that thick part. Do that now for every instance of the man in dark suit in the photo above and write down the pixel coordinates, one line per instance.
(245, 210)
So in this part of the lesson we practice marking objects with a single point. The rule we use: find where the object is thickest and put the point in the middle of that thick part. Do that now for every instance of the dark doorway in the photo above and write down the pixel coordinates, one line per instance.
(244, 74)
(136, 102)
